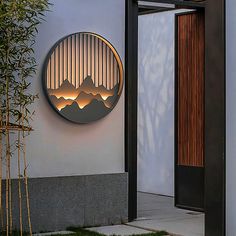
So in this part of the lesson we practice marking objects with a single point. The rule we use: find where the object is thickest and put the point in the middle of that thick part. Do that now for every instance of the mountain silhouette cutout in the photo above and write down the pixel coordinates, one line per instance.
(88, 87)
(60, 102)
(85, 103)
(66, 90)
(84, 99)
(112, 99)
(93, 111)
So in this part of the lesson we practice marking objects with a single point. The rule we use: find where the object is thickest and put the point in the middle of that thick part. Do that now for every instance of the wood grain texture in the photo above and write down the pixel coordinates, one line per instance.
(190, 89)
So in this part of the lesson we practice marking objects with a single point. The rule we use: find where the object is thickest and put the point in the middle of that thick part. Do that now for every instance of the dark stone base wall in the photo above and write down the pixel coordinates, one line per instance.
(59, 202)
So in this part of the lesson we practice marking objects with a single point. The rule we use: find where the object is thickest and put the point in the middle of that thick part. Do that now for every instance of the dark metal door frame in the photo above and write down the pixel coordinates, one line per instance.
(214, 110)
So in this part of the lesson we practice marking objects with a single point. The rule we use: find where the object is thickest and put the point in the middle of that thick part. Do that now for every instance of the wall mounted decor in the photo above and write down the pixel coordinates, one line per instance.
(83, 77)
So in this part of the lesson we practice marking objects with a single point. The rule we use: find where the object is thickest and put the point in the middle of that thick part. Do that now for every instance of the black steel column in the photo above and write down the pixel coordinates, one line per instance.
(131, 84)
(215, 118)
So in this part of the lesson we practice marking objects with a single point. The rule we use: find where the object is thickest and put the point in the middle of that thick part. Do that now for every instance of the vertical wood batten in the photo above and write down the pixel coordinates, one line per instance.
(191, 90)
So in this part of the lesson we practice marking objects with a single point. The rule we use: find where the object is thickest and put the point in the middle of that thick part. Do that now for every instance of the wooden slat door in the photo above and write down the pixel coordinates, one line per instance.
(189, 169)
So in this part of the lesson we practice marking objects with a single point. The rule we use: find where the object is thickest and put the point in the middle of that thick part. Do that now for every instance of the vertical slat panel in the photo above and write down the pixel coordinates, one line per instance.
(77, 70)
(52, 71)
(69, 59)
(85, 64)
(111, 71)
(61, 64)
(49, 74)
(72, 59)
(191, 90)
(96, 72)
(99, 62)
(80, 60)
(92, 57)
(65, 59)
(58, 66)
(88, 55)
(79, 56)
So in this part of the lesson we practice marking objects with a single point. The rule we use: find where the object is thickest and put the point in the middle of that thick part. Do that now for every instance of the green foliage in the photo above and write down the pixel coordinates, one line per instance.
(19, 20)
(14, 233)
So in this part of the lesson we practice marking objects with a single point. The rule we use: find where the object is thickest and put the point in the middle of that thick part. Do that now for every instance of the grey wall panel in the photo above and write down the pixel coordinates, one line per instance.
(59, 202)
(112, 188)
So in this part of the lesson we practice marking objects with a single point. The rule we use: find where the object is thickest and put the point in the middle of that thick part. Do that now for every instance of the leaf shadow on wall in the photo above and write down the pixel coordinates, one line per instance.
(156, 104)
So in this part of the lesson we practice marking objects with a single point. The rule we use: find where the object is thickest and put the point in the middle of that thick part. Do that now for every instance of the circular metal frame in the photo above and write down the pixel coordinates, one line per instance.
(120, 66)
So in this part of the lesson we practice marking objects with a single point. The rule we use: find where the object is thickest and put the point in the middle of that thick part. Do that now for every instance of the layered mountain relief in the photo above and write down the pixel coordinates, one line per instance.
(83, 77)
(85, 103)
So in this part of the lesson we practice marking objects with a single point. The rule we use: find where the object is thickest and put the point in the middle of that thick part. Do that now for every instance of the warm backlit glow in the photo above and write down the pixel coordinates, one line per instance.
(104, 97)
(68, 97)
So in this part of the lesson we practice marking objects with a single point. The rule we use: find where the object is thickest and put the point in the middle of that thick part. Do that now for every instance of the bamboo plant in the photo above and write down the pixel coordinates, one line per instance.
(19, 20)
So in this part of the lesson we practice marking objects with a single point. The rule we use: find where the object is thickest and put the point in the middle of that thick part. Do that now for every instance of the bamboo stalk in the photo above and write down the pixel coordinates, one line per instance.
(7, 186)
(7, 141)
(19, 178)
(1, 210)
(7, 157)
(26, 179)
(10, 187)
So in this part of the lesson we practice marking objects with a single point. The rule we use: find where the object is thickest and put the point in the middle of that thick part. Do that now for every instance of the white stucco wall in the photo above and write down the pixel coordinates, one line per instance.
(156, 65)
(156, 103)
(58, 147)
(230, 117)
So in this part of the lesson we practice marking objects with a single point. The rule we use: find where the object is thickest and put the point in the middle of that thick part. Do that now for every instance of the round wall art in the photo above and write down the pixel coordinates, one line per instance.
(83, 77)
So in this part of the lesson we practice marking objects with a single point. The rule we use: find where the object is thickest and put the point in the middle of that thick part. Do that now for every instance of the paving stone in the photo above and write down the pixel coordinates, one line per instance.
(121, 230)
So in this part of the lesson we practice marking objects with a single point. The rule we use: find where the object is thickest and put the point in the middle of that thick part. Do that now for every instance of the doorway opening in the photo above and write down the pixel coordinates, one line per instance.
(214, 113)
(170, 121)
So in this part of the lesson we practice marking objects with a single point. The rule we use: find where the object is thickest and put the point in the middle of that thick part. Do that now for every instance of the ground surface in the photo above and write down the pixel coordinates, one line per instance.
(124, 230)
(157, 212)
